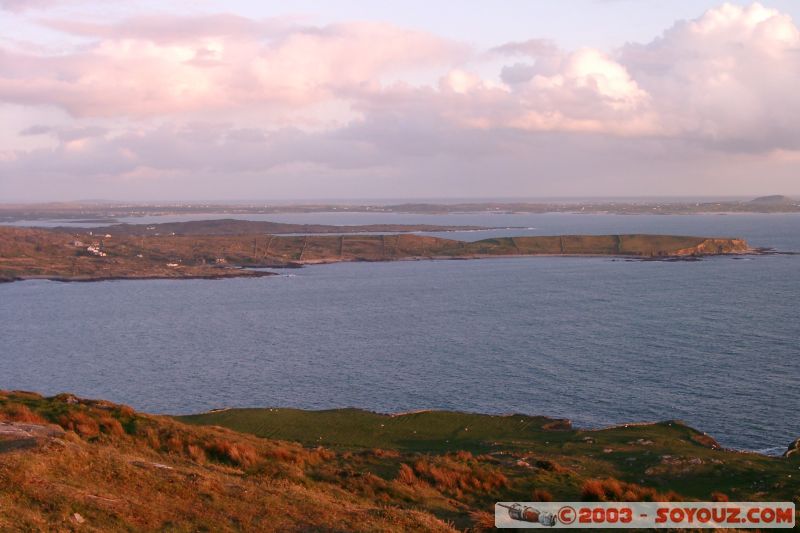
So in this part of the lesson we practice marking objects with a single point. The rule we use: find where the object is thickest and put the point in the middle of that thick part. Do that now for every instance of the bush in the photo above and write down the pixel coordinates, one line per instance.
(482, 520)
(447, 474)
(406, 475)
(717, 496)
(81, 423)
(17, 412)
(235, 453)
(610, 489)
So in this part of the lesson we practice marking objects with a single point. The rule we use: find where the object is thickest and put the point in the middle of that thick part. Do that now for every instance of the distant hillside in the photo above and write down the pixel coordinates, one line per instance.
(28, 253)
(230, 226)
(774, 199)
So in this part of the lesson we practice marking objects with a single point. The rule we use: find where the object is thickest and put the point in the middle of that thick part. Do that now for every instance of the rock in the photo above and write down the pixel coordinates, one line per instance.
(70, 399)
(78, 518)
(706, 440)
(18, 435)
(19, 430)
(793, 450)
(149, 464)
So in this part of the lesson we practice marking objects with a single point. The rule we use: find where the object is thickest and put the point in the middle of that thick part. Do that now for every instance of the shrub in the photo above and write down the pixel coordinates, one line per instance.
(235, 453)
(111, 426)
(17, 412)
(592, 491)
(381, 453)
(447, 474)
(81, 423)
(463, 455)
(719, 497)
(541, 495)
(610, 489)
(482, 520)
(406, 475)
(196, 453)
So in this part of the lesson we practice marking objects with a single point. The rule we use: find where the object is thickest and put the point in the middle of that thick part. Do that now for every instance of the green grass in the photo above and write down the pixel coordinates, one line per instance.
(435, 431)
(667, 455)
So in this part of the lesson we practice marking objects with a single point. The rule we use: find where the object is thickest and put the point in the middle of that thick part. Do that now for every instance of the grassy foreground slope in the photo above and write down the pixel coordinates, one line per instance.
(68, 464)
(666, 456)
(73, 464)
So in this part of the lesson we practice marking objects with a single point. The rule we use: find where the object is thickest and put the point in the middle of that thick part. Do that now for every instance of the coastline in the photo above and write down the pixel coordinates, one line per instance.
(553, 424)
(62, 256)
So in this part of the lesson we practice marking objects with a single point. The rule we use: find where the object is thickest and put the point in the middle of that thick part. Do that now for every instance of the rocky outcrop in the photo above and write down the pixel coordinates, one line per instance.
(18, 435)
(716, 247)
(793, 450)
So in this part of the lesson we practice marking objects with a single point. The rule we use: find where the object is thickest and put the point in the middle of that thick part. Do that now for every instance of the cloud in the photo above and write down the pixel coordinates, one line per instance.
(729, 78)
(585, 90)
(227, 98)
(153, 66)
(17, 6)
(718, 79)
(531, 47)
(36, 129)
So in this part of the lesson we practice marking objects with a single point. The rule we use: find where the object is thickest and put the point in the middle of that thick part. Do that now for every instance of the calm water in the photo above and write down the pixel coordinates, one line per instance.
(600, 341)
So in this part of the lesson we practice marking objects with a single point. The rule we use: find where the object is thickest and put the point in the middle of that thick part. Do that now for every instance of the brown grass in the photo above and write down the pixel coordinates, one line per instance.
(482, 521)
(447, 474)
(164, 475)
(717, 496)
(17, 412)
(239, 454)
(610, 490)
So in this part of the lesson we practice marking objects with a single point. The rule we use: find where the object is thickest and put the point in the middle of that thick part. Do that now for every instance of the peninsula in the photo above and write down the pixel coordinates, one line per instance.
(60, 255)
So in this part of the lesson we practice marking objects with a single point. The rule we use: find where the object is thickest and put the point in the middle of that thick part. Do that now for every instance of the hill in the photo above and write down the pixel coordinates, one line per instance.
(68, 463)
(772, 200)
(230, 226)
(30, 253)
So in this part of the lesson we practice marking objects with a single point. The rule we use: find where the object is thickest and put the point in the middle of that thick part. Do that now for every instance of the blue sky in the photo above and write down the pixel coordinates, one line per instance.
(572, 23)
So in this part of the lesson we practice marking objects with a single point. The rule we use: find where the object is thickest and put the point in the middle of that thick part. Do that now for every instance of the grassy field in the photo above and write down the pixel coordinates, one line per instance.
(668, 456)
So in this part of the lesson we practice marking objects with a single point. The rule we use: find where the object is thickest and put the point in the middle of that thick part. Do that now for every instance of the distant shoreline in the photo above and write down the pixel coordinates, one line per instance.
(178, 251)
(111, 211)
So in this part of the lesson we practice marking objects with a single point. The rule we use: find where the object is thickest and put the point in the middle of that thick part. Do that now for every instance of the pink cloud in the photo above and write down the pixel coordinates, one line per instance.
(18, 6)
(143, 67)
(226, 97)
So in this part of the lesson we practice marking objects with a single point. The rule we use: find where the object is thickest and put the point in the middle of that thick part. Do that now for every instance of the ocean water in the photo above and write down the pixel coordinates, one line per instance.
(715, 343)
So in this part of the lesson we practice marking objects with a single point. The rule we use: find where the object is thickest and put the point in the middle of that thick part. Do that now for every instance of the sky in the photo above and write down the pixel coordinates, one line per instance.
(345, 99)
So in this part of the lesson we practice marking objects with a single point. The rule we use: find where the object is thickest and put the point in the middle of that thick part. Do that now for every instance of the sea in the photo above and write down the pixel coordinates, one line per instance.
(600, 341)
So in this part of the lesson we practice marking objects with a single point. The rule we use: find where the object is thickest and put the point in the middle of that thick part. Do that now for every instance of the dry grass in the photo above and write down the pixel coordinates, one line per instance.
(541, 495)
(120, 471)
(717, 496)
(452, 475)
(482, 521)
(17, 412)
(614, 490)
